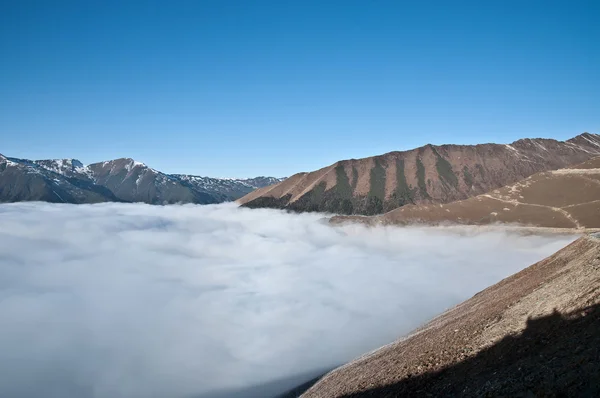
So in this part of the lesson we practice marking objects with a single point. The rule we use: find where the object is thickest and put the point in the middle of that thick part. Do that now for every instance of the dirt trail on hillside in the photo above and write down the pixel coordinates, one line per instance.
(566, 198)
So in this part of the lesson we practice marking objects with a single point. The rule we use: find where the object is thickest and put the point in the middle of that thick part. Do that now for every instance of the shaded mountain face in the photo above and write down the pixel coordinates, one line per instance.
(427, 175)
(120, 180)
(564, 198)
(24, 180)
(132, 181)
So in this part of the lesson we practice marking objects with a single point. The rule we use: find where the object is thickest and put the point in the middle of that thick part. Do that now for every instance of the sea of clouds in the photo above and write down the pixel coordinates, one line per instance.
(132, 300)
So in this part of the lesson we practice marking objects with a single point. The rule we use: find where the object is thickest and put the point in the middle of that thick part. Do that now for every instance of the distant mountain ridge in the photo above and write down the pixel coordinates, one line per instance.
(430, 174)
(119, 180)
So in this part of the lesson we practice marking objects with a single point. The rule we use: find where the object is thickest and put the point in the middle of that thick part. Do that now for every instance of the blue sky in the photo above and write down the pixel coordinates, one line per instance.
(245, 88)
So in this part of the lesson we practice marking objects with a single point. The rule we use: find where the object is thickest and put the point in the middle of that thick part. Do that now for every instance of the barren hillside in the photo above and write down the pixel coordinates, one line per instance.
(564, 198)
(536, 333)
(427, 175)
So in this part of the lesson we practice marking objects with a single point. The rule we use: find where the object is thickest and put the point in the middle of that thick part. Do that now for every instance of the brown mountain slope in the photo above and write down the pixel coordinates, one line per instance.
(536, 333)
(564, 198)
(426, 175)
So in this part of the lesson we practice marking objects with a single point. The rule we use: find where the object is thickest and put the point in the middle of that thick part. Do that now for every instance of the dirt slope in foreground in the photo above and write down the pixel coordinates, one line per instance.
(566, 198)
(536, 333)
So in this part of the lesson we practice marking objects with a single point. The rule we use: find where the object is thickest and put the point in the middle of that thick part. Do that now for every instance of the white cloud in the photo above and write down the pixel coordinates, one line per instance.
(119, 300)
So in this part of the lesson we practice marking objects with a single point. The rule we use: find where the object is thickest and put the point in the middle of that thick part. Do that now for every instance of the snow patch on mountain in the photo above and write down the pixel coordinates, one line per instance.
(132, 164)
(128, 180)
(65, 167)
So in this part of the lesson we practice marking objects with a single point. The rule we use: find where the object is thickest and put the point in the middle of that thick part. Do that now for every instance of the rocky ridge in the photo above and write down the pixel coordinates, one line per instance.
(427, 175)
(120, 180)
(564, 198)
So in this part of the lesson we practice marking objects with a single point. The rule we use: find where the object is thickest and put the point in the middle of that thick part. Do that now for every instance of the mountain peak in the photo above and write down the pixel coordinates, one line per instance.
(589, 135)
(76, 163)
(129, 162)
(66, 167)
(585, 134)
(120, 163)
(586, 140)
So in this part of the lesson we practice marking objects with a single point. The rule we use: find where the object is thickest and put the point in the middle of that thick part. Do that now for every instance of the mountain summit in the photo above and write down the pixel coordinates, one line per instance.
(430, 174)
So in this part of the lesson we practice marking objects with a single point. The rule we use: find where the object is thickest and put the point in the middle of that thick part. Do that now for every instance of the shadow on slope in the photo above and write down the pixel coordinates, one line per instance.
(555, 356)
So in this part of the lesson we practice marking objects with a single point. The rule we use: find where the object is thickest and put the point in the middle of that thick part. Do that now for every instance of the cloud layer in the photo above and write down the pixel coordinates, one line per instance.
(117, 300)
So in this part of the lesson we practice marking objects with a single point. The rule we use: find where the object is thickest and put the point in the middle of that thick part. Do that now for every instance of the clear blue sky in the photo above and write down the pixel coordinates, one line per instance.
(244, 88)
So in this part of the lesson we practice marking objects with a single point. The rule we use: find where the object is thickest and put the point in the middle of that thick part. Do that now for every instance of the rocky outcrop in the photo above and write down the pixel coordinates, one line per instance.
(427, 175)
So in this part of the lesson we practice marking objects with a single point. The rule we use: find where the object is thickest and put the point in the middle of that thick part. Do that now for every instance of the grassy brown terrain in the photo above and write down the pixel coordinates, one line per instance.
(536, 333)
(565, 198)
(427, 175)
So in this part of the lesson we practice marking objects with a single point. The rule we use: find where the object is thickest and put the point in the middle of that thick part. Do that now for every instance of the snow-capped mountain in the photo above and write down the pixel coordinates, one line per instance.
(231, 187)
(122, 180)
(66, 167)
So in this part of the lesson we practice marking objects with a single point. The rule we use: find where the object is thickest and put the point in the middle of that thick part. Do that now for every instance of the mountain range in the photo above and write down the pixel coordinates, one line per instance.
(427, 175)
(534, 333)
(563, 198)
(119, 180)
